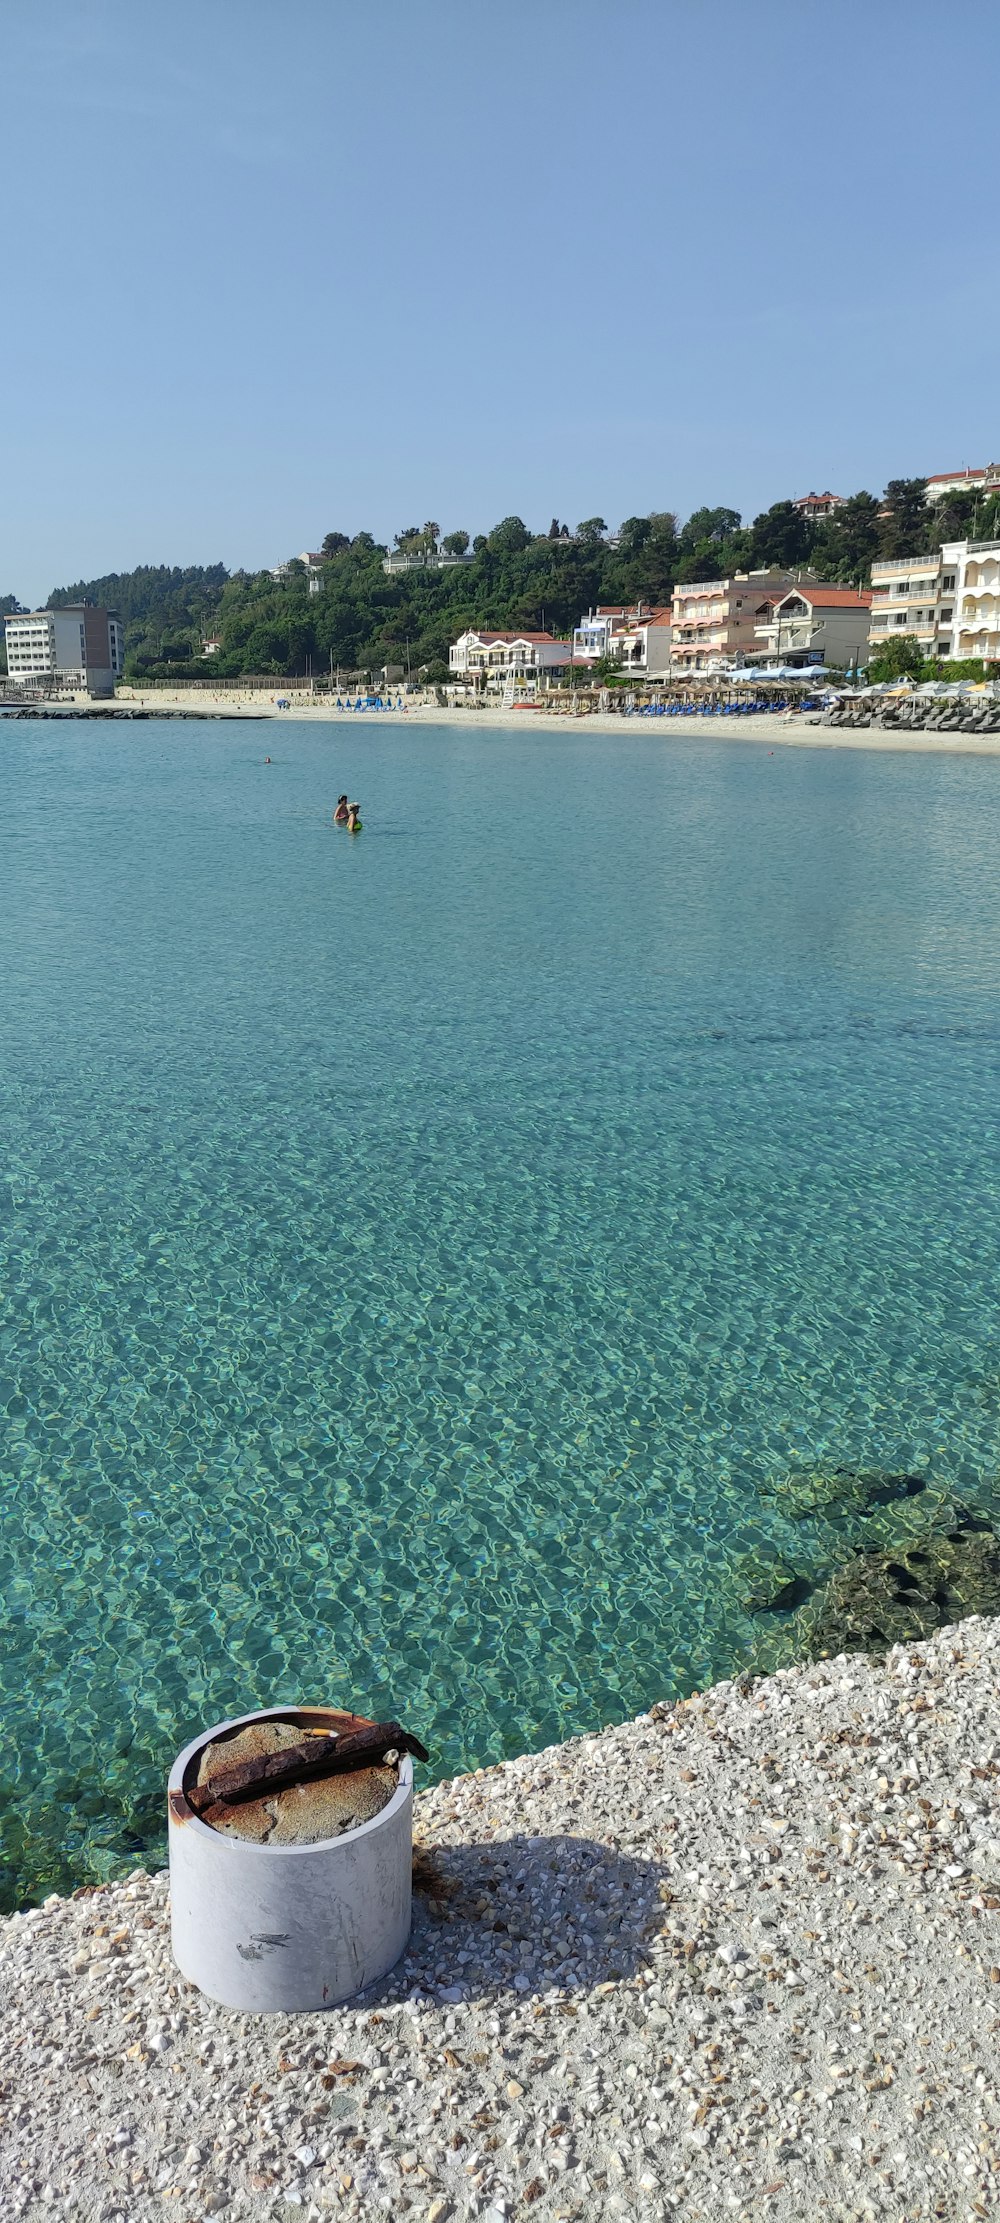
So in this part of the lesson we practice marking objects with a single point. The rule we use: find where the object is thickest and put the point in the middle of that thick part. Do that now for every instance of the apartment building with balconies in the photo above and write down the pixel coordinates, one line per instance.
(949, 603)
(643, 645)
(593, 636)
(912, 598)
(714, 622)
(975, 629)
(637, 638)
(917, 598)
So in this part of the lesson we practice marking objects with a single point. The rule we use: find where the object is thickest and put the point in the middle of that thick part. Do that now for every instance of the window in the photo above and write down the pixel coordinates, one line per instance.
(948, 583)
(901, 619)
(945, 618)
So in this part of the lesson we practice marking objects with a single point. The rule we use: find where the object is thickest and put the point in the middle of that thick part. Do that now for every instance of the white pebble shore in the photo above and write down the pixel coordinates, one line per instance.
(740, 1957)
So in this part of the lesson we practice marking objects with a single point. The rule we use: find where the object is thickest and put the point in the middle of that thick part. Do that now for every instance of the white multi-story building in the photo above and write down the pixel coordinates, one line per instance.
(949, 603)
(981, 478)
(492, 659)
(634, 637)
(78, 647)
(593, 636)
(913, 596)
(975, 629)
(642, 645)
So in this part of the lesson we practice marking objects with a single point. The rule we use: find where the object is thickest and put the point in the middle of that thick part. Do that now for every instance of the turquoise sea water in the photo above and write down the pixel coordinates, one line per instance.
(426, 1257)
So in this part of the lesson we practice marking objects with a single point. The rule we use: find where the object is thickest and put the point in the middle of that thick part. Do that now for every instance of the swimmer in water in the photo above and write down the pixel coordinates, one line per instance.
(354, 818)
(340, 814)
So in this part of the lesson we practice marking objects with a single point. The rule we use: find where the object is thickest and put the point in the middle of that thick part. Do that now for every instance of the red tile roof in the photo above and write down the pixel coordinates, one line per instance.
(830, 598)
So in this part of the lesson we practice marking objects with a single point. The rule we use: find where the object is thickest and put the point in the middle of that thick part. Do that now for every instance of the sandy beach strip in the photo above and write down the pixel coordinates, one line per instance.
(777, 731)
(740, 1957)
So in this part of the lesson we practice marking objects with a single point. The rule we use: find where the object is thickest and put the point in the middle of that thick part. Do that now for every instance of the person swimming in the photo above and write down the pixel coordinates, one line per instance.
(340, 814)
(354, 818)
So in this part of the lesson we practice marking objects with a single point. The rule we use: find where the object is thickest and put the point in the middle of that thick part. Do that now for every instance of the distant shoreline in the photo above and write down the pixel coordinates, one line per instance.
(776, 731)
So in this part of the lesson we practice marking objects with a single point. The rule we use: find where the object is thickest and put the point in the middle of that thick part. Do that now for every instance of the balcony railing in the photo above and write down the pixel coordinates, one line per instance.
(913, 565)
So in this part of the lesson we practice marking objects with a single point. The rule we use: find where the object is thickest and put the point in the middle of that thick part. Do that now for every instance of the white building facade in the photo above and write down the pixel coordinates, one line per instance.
(78, 647)
(636, 638)
(949, 603)
(593, 636)
(642, 646)
(975, 629)
(493, 660)
(983, 478)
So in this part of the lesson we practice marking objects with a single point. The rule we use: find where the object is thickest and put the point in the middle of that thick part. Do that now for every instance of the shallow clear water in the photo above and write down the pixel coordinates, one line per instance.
(426, 1257)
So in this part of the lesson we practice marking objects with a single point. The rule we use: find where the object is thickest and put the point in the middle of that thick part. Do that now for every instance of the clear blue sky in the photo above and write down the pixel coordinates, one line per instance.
(275, 269)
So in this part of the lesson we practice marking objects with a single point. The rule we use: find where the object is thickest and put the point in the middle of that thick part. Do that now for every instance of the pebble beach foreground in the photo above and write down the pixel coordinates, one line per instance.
(739, 1957)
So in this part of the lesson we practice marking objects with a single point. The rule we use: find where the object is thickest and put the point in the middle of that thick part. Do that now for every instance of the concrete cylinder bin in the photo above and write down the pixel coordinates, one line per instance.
(296, 1900)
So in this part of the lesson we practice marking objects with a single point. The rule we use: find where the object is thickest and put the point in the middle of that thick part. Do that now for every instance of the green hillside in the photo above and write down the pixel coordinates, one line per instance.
(364, 619)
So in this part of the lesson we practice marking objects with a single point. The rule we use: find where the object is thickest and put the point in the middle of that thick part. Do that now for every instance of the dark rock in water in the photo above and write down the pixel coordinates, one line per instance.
(968, 1523)
(891, 1488)
(843, 1491)
(791, 1595)
(879, 1598)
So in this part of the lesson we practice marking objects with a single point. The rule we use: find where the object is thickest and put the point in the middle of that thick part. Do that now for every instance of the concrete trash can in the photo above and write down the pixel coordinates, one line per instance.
(271, 1926)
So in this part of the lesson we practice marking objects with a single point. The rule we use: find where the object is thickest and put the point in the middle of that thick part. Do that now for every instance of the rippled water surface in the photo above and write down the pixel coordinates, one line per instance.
(427, 1256)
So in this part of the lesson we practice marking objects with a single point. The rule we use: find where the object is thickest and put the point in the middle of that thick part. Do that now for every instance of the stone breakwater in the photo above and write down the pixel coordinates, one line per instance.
(739, 1957)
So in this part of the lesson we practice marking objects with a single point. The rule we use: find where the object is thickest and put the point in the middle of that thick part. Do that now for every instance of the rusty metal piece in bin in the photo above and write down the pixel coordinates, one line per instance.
(303, 1763)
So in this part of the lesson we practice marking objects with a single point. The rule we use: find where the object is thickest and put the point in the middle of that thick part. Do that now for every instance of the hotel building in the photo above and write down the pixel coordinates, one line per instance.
(78, 647)
(949, 603)
(716, 622)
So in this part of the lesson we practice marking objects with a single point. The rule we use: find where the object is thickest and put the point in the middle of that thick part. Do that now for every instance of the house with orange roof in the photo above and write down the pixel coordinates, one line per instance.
(816, 624)
(979, 478)
(815, 506)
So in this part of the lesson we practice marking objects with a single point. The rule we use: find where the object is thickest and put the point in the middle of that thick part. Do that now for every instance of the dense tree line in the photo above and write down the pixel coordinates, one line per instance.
(158, 605)
(365, 619)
